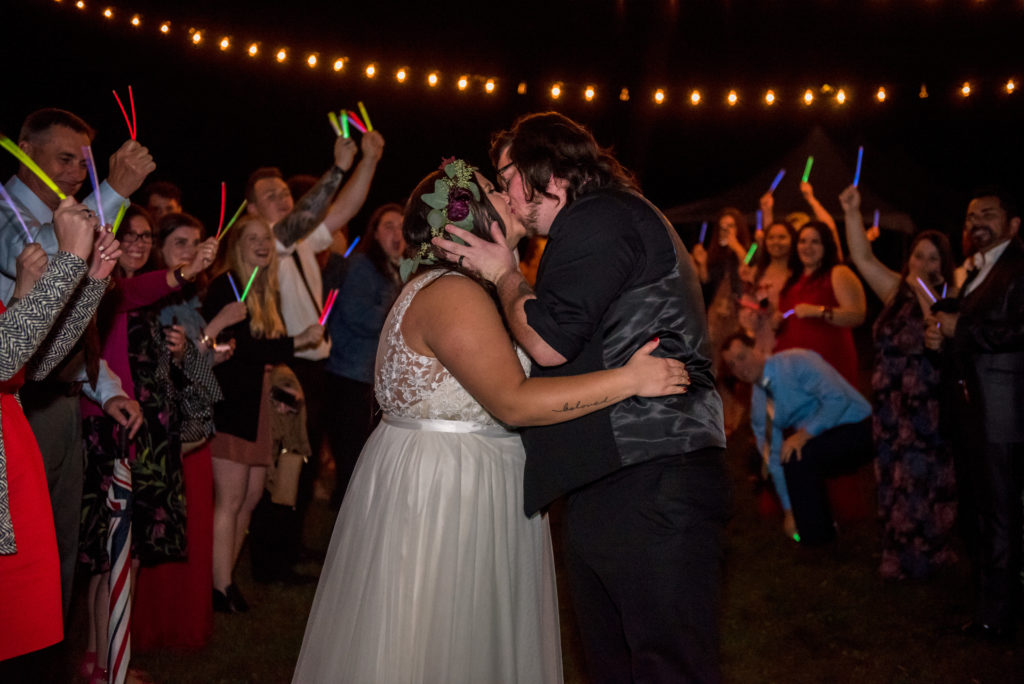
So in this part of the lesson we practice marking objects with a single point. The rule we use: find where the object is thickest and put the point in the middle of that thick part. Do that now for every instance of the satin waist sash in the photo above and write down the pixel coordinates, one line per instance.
(438, 425)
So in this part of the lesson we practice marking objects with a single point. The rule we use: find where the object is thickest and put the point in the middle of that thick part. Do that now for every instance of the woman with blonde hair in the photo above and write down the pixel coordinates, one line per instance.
(242, 448)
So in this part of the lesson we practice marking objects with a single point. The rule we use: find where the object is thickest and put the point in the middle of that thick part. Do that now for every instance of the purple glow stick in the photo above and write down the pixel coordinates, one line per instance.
(234, 288)
(927, 290)
(860, 158)
(90, 163)
(876, 218)
(789, 313)
(944, 290)
(778, 179)
(703, 231)
(14, 208)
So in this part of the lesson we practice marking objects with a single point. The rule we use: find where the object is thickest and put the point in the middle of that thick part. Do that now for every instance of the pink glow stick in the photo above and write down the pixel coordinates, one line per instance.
(356, 122)
(127, 121)
(223, 201)
(328, 306)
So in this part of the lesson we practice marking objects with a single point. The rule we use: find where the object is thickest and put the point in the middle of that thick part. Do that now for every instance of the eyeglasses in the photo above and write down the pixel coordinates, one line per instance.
(129, 237)
(503, 181)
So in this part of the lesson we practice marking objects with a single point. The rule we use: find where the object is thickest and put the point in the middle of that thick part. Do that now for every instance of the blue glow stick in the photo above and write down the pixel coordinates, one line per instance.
(760, 219)
(944, 290)
(703, 231)
(876, 218)
(14, 208)
(234, 288)
(927, 290)
(351, 247)
(789, 313)
(860, 158)
(91, 165)
(778, 179)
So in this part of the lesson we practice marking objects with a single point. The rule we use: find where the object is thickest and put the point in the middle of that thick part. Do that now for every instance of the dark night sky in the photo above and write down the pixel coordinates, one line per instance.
(210, 116)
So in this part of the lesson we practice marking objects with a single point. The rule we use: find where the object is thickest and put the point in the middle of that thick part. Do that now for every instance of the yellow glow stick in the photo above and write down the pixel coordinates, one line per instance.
(366, 117)
(119, 218)
(11, 147)
(333, 118)
(221, 234)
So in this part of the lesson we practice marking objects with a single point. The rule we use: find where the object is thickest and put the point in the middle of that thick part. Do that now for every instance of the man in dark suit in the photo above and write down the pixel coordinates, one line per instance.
(987, 339)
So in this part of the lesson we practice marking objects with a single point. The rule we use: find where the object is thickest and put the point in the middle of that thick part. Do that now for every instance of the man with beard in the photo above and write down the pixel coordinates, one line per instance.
(644, 479)
(987, 346)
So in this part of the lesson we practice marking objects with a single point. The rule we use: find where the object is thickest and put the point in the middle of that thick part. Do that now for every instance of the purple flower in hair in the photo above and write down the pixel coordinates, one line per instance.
(458, 203)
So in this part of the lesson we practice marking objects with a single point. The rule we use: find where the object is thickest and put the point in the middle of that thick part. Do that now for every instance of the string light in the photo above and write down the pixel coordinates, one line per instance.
(371, 70)
(108, 13)
(312, 59)
(769, 97)
(80, 5)
(401, 75)
(521, 88)
(1010, 86)
(136, 20)
(732, 98)
(432, 79)
(808, 96)
(624, 95)
(165, 27)
(589, 93)
(339, 64)
(841, 96)
(659, 96)
(965, 89)
(489, 85)
(254, 49)
(225, 43)
(463, 83)
(923, 92)
(881, 95)
(197, 36)
(695, 97)
(281, 55)
(556, 91)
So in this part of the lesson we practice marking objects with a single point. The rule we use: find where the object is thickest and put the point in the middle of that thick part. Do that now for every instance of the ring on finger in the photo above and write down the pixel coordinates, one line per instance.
(460, 260)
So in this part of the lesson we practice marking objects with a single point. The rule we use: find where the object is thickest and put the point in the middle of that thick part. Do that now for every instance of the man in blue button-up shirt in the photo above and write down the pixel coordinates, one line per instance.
(820, 428)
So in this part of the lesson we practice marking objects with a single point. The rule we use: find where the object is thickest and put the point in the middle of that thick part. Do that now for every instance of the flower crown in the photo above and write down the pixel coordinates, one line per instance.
(449, 204)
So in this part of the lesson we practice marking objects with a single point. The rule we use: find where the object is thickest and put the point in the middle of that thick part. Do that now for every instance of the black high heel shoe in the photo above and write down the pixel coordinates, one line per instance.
(229, 601)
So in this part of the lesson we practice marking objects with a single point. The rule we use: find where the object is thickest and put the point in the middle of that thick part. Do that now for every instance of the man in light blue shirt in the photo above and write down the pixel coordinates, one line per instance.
(820, 427)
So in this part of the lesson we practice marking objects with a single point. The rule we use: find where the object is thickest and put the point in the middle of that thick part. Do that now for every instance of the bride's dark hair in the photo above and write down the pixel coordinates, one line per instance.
(417, 231)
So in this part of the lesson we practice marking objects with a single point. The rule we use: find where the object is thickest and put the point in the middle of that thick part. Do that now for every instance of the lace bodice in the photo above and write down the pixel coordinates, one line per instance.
(410, 385)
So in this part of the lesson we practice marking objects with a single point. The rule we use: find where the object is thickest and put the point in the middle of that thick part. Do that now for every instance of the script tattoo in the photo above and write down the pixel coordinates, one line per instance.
(579, 405)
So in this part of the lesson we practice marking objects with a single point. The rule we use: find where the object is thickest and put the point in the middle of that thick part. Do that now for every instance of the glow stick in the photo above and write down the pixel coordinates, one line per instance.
(344, 124)
(860, 158)
(135, 125)
(90, 164)
(703, 231)
(129, 123)
(234, 218)
(778, 179)
(747, 304)
(234, 288)
(245, 292)
(750, 254)
(333, 118)
(356, 122)
(328, 306)
(796, 537)
(120, 217)
(351, 247)
(14, 208)
(807, 169)
(927, 290)
(223, 201)
(366, 116)
(944, 290)
(789, 313)
(20, 155)
(876, 218)
(760, 219)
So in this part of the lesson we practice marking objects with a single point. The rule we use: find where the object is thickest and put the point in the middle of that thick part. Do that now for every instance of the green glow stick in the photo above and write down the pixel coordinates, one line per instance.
(750, 254)
(796, 537)
(807, 169)
(255, 270)
(11, 147)
(333, 118)
(344, 124)
(366, 117)
(119, 218)
(234, 218)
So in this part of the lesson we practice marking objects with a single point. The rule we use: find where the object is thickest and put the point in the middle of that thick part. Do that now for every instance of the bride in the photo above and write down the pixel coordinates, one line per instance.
(434, 574)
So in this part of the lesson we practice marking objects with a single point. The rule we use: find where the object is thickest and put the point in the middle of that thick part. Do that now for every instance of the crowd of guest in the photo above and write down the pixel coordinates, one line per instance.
(207, 362)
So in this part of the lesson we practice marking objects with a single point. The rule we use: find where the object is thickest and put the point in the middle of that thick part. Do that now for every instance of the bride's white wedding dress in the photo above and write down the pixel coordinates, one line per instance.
(433, 573)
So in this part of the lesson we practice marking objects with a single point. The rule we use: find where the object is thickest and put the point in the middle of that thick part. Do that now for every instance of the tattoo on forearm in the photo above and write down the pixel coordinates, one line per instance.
(580, 405)
(309, 210)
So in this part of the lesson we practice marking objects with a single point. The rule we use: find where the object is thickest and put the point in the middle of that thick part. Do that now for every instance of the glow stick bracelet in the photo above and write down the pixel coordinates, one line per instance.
(223, 201)
(750, 254)
(789, 313)
(234, 288)
(860, 158)
(128, 123)
(944, 290)
(120, 217)
(351, 247)
(760, 219)
(245, 292)
(90, 164)
(703, 231)
(876, 218)
(366, 116)
(333, 118)
(344, 124)
(927, 290)
(807, 169)
(234, 218)
(11, 147)
(14, 208)
(328, 306)
(778, 179)
(356, 122)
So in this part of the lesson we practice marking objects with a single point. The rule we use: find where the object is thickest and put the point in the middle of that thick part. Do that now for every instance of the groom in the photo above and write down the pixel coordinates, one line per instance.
(644, 480)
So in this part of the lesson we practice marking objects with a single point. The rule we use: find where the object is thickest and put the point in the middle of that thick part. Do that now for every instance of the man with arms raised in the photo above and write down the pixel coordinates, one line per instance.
(645, 479)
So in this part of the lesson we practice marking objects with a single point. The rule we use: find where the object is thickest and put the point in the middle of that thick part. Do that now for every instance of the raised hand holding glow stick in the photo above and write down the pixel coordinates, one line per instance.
(807, 169)
(703, 231)
(11, 147)
(356, 122)
(222, 233)
(122, 210)
(927, 290)
(860, 158)
(351, 247)
(778, 179)
(90, 164)
(366, 116)
(245, 292)
(14, 208)
(750, 254)
(344, 124)
(132, 126)
(234, 288)
(333, 118)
